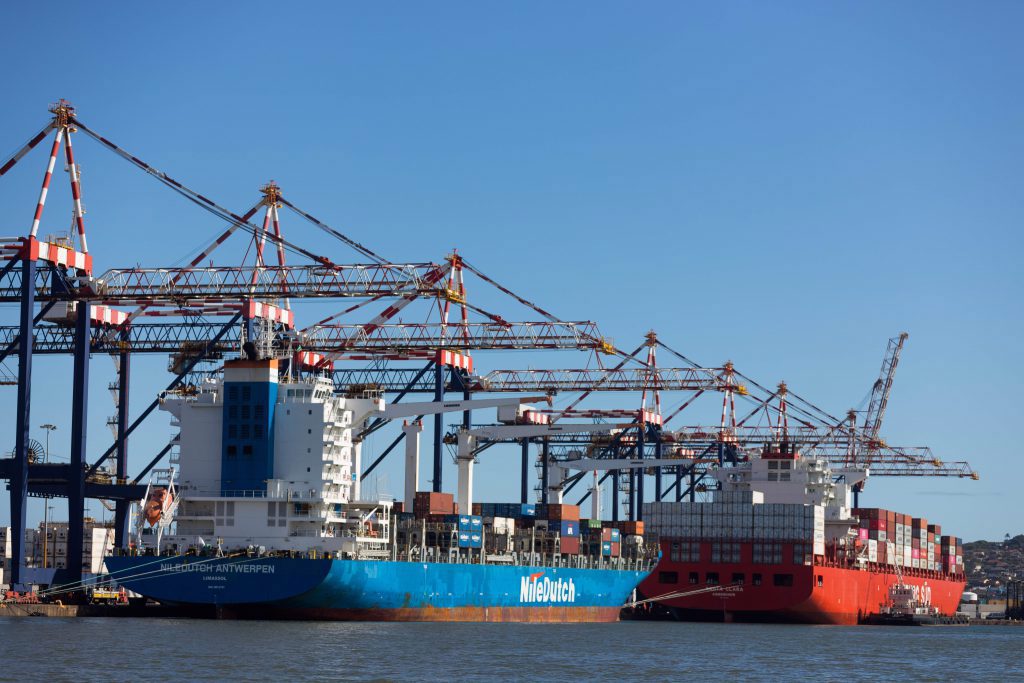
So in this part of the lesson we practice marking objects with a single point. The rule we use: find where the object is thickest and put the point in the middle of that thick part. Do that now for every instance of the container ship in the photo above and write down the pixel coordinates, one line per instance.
(781, 542)
(262, 516)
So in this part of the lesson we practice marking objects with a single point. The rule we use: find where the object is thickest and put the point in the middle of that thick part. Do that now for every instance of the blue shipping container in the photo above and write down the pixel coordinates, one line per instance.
(469, 539)
(470, 522)
(606, 548)
(527, 510)
(571, 529)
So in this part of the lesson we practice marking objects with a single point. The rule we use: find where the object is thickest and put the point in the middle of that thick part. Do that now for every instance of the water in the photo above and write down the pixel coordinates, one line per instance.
(53, 650)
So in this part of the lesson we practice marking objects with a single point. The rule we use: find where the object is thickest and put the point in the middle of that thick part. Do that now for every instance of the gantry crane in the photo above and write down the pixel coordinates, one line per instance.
(211, 310)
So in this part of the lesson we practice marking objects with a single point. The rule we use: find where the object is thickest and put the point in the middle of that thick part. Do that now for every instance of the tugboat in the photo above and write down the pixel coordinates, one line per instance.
(911, 606)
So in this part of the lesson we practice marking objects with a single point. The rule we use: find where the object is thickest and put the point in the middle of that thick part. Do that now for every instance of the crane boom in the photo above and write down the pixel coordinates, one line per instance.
(880, 391)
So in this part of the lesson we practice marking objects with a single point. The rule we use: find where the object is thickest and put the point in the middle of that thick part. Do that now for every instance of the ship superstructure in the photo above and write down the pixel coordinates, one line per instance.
(270, 463)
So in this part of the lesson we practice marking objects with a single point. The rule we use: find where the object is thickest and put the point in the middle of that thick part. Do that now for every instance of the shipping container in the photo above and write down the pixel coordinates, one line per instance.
(431, 503)
(570, 545)
(570, 528)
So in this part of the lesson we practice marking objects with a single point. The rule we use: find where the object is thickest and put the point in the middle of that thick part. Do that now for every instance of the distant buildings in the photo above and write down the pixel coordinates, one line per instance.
(991, 565)
(98, 542)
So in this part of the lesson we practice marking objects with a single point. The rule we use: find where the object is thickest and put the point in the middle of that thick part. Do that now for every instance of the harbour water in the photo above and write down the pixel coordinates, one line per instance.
(89, 649)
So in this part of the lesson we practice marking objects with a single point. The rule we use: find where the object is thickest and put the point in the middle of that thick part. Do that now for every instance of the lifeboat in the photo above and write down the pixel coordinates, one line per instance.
(157, 501)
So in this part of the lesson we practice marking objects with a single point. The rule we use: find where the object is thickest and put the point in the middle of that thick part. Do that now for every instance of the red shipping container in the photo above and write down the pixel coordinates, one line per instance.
(563, 513)
(570, 545)
(616, 547)
(430, 503)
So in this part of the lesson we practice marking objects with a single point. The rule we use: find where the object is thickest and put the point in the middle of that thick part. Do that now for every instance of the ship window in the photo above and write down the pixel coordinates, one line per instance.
(257, 431)
(711, 579)
(767, 553)
(773, 464)
(782, 579)
(310, 412)
(785, 464)
(725, 552)
(739, 579)
(271, 509)
(755, 579)
(694, 578)
(668, 577)
(257, 411)
(232, 451)
(800, 551)
(820, 580)
(246, 393)
(247, 449)
(783, 476)
(245, 412)
(233, 393)
(773, 476)
(309, 431)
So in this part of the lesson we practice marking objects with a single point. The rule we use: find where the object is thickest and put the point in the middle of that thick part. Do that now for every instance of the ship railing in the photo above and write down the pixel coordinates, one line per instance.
(278, 493)
(304, 533)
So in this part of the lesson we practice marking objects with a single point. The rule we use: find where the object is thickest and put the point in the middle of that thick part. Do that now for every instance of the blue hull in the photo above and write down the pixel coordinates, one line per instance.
(409, 591)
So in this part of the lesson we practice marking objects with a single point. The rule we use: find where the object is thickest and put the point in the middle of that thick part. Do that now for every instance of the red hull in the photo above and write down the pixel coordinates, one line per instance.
(787, 592)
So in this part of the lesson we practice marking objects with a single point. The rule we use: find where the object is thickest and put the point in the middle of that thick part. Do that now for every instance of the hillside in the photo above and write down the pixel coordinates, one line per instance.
(990, 563)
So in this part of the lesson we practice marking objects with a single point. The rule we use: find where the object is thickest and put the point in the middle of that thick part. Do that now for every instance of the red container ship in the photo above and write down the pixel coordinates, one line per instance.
(780, 542)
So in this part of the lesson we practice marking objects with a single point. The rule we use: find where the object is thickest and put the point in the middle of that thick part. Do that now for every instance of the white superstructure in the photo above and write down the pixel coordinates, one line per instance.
(267, 461)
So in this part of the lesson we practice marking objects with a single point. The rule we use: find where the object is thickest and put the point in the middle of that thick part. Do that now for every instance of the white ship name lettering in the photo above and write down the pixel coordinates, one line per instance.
(207, 568)
(539, 588)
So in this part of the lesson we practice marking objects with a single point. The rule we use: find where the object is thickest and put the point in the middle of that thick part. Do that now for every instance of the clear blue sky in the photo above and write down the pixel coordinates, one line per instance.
(783, 184)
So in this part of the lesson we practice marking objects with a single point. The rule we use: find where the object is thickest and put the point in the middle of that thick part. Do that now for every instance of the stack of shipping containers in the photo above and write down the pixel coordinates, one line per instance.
(911, 542)
(741, 516)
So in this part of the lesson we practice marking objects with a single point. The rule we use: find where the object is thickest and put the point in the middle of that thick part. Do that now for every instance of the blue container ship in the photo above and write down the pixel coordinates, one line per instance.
(261, 516)
(303, 588)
